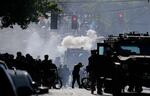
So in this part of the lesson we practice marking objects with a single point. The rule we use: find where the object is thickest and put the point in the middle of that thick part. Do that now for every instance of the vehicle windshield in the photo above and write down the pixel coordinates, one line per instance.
(131, 49)
(134, 50)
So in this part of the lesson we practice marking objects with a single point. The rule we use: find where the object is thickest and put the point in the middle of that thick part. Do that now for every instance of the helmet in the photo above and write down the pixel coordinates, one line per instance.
(80, 64)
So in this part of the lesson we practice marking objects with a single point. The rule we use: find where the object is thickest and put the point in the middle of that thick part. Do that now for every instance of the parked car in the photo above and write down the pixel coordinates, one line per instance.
(15, 82)
(23, 82)
(7, 87)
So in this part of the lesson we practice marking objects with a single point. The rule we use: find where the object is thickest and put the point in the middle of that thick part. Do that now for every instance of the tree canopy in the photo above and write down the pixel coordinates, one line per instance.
(22, 12)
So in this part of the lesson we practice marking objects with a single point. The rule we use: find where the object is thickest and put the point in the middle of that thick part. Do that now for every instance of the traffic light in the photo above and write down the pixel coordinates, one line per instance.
(74, 22)
(54, 18)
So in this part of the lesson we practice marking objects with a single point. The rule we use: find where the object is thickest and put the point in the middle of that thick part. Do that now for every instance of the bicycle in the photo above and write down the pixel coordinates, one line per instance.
(85, 81)
(54, 81)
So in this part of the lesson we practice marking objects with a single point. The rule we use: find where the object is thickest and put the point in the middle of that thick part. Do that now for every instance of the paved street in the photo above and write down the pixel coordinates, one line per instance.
(83, 92)
(70, 92)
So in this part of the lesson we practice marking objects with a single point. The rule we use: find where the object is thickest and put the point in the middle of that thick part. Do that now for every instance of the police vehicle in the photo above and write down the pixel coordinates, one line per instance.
(130, 53)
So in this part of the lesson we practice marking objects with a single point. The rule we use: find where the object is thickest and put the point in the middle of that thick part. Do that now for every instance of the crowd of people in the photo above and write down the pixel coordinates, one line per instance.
(40, 70)
(27, 62)
(99, 67)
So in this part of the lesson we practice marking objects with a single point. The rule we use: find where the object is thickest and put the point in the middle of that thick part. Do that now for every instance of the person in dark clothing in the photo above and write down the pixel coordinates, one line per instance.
(49, 71)
(52, 73)
(95, 71)
(30, 66)
(45, 65)
(20, 61)
(52, 68)
(64, 74)
(76, 75)
(135, 82)
(10, 61)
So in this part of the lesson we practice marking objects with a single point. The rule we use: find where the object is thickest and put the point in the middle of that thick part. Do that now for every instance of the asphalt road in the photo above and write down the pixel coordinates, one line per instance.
(83, 92)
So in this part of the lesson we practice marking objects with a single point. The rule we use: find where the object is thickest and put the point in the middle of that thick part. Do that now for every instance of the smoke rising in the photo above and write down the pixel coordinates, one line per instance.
(38, 41)
(34, 40)
(85, 42)
(98, 16)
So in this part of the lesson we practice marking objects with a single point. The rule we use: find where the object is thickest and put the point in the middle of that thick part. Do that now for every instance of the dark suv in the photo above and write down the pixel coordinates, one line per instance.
(132, 66)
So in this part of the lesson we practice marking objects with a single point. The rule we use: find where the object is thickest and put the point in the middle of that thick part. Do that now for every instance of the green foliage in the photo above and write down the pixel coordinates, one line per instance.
(22, 12)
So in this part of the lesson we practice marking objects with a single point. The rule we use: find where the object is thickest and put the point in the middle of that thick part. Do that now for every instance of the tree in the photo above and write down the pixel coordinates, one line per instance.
(22, 12)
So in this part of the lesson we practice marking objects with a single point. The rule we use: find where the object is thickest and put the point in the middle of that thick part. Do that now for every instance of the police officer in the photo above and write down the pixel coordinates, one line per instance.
(95, 69)
(135, 72)
(76, 75)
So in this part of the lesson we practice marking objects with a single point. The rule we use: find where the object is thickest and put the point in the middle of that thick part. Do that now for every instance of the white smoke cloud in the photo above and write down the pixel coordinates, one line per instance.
(85, 42)
(34, 40)
(38, 42)
(42, 42)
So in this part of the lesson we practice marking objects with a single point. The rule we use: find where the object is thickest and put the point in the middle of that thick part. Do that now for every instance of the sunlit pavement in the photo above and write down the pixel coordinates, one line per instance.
(83, 92)
(68, 92)
(71, 92)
